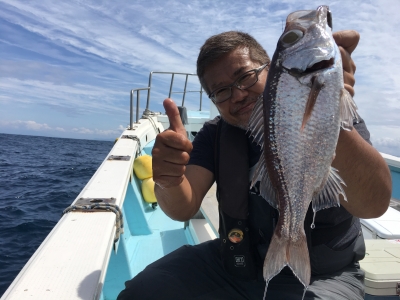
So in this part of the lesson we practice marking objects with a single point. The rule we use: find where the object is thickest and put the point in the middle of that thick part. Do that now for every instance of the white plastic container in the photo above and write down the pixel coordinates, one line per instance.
(385, 227)
(382, 269)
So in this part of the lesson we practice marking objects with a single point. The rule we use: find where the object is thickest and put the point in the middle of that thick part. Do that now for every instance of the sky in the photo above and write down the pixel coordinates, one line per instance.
(67, 67)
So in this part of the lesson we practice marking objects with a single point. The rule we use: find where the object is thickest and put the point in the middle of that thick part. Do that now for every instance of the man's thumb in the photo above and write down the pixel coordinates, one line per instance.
(175, 122)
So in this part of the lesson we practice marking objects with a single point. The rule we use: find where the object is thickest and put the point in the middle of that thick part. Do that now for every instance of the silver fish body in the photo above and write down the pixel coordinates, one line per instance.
(297, 123)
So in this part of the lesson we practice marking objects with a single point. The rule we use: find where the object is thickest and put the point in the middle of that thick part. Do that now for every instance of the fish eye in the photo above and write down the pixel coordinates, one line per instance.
(291, 37)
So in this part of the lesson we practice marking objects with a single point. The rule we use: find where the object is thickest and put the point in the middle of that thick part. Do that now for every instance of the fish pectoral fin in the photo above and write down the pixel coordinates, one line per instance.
(348, 111)
(267, 191)
(256, 122)
(283, 252)
(317, 84)
(329, 195)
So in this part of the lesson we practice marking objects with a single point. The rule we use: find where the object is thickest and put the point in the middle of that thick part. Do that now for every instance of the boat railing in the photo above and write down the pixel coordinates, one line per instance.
(171, 91)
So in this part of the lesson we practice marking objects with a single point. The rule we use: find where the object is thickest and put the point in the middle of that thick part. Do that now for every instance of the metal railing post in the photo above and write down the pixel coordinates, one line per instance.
(170, 87)
(184, 90)
(148, 88)
(131, 112)
(137, 106)
(201, 97)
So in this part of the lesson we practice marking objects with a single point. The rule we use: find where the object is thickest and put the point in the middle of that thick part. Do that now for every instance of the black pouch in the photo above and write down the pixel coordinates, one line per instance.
(326, 260)
(236, 254)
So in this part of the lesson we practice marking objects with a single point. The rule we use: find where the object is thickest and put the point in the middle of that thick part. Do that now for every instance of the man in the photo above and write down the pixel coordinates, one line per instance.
(223, 268)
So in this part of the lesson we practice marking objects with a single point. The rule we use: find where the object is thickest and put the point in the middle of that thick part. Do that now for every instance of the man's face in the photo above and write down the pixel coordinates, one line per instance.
(237, 109)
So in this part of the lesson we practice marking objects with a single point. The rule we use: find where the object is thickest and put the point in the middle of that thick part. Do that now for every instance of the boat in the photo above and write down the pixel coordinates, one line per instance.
(110, 233)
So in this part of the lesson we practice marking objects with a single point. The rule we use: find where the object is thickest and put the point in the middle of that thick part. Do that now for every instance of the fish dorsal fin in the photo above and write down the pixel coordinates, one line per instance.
(256, 122)
(317, 84)
(256, 129)
(329, 195)
(266, 189)
(348, 111)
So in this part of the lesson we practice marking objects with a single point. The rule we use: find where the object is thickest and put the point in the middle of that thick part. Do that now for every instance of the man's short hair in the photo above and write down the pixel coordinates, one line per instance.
(221, 44)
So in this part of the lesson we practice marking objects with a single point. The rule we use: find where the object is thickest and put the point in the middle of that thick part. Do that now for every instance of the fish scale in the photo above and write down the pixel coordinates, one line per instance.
(304, 105)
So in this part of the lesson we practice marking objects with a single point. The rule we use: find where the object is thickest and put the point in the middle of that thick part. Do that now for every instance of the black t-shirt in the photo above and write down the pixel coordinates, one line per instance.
(203, 145)
(203, 155)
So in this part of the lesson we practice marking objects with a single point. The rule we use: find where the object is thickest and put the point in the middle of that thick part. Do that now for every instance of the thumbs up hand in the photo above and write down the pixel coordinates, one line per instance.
(171, 151)
(175, 122)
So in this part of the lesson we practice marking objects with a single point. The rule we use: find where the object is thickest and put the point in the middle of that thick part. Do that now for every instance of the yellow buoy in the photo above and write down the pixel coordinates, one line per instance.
(143, 167)
(148, 190)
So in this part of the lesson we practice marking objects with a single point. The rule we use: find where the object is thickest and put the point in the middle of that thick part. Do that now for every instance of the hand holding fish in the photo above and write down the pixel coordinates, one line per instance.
(171, 150)
(368, 195)
(307, 99)
(347, 41)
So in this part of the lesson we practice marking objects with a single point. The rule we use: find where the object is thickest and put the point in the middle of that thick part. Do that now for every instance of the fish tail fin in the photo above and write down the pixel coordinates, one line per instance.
(283, 252)
(299, 260)
(276, 257)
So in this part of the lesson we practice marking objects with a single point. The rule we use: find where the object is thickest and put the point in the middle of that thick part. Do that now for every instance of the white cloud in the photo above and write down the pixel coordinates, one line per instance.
(96, 131)
(107, 132)
(83, 130)
(388, 142)
(35, 126)
(29, 125)
(77, 97)
(95, 30)
(386, 138)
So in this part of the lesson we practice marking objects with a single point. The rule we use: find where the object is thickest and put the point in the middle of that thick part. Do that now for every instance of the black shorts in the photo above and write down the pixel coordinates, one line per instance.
(196, 272)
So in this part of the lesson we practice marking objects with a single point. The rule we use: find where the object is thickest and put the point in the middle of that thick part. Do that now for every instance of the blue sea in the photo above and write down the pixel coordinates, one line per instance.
(39, 177)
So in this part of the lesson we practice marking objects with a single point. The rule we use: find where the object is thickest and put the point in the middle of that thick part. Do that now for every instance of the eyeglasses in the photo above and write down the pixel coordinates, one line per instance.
(247, 80)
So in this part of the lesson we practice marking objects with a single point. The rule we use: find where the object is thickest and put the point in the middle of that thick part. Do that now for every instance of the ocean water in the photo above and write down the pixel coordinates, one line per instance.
(39, 178)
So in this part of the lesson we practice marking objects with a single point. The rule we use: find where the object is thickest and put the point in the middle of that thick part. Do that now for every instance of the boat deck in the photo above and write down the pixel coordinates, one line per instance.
(149, 234)
(142, 244)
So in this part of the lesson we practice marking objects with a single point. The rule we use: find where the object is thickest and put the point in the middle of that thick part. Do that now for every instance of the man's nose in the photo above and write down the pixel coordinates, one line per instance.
(238, 94)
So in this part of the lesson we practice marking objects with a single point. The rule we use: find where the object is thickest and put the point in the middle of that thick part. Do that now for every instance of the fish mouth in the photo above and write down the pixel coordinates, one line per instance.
(321, 65)
(324, 64)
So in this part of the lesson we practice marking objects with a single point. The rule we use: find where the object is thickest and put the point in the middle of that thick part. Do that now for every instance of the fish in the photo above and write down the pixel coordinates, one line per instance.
(297, 121)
